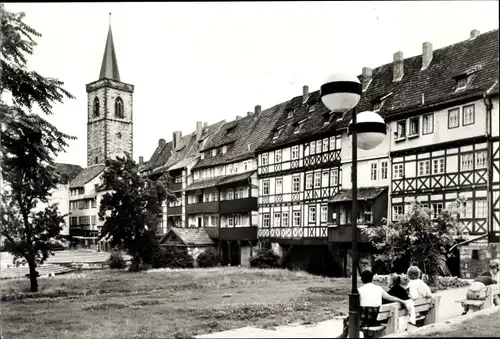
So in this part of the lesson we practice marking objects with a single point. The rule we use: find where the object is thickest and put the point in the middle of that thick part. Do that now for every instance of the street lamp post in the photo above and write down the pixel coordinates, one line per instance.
(340, 94)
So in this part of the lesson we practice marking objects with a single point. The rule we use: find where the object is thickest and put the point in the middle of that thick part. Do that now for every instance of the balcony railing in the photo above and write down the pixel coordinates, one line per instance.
(175, 187)
(343, 233)
(238, 205)
(213, 232)
(238, 233)
(175, 210)
(203, 207)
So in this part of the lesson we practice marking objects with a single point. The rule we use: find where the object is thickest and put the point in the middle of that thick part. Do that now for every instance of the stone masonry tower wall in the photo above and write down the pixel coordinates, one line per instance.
(110, 112)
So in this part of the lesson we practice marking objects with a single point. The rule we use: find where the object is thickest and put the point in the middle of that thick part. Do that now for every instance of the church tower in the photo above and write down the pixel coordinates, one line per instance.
(109, 102)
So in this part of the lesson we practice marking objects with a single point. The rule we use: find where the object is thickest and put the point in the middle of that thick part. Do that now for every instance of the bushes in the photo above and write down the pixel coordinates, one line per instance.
(265, 258)
(172, 257)
(116, 260)
(209, 258)
(440, 284)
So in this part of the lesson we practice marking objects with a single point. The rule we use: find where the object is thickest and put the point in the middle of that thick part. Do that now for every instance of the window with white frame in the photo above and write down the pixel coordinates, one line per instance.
(277, 219)
(237, 194)
(207, 197)
(397, 212)
(264, 158)
(241, 190)
(453, 118)
(296, 219)
(313, 147)
(424, 167)
(324, 213)
(467, 162)
(279, 186)
(214, 196)
(468, 115)
(428, 124)
(312, 214)
(481, 159)
(178, 179)
(245, 166)
(265, 187)
(317, 179)
(284, 219)
(295, 152)
(235, 167)
(306, 150)
(397, 171)
(214, 152)
(481, 208)
(325, 144)
(230, 221)
(318, 146)
(461, 82)
(373, 171)
(414, 126)
(296, 184)
(94, 220)
(332, 143)
(224, 149)
(436, 208)
(334, 177)
(196, 175)
(324, 180)
(277, 156)
(309, 181)
(438, 166)
(265, 220)
(401, 129)
(383, 169)
(230, 194)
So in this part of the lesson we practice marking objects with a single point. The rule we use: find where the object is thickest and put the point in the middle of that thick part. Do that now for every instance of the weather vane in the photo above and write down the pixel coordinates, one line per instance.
(110, 18)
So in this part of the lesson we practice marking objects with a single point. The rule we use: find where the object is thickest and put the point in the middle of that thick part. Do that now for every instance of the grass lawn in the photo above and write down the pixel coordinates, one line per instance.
(167, 303)
(482, 326)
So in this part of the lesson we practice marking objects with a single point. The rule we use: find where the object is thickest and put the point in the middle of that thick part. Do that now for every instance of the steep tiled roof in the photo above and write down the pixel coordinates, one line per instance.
(245, 135)
(109, 67)
(67, 171)
(417, 90)
(189, 147)
(234, 178)
(364, 193)
(159, 157)
(191, 236)
(86, 175)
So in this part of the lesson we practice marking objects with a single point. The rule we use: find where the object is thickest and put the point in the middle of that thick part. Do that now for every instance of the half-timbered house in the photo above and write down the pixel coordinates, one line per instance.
(222, 197)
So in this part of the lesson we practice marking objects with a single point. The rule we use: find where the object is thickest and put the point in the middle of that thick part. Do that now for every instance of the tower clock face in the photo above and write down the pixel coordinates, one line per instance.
(119, 135)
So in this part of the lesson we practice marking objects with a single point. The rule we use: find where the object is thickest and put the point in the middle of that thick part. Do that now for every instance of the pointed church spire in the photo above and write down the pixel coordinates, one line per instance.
(109, 67)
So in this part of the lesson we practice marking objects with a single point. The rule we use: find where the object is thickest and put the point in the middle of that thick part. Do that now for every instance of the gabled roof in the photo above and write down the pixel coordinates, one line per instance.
(86, 175)
(363, 193)
(417, 90)
(245, 135)
(159, 157)
(190, 236)
(67, 172)
(189, 148)
(109, 67)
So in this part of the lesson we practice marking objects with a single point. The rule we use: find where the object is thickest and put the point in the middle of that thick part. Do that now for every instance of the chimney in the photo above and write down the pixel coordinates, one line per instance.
(474, 33)
(161, 142)
(397, 66)
(366, 77)
(141, 160)
(257, 109)
(426, 54)
(238, 117)
(305, 94)
(176, 137)
(199, 129)
(205, 124)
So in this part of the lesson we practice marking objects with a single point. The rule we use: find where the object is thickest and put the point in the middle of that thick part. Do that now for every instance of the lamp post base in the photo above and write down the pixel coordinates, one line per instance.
(354, 315)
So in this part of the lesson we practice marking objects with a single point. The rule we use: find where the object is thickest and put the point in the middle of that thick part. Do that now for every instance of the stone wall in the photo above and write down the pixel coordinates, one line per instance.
(475, 258)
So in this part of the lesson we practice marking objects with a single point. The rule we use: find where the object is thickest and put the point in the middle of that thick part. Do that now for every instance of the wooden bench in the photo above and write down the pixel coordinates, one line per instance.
(477, 305)
(427, 312)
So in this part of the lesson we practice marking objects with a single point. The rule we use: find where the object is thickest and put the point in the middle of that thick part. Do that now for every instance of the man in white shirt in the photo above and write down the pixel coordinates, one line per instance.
(495, 274)
(417, 288)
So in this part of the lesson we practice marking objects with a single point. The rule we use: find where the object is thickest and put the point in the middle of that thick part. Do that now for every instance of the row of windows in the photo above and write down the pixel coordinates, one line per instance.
(83, 220)
(281, 219)
(467, 116)
(118, 108)
(313, 180)
(375, 173)
(82, 204)
(481, 209)
(229, 194)
(438, 164)
(209, 173)
(414, 127)
(77, 191)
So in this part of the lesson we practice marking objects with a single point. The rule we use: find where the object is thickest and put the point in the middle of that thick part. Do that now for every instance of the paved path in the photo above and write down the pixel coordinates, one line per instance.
(448, 308)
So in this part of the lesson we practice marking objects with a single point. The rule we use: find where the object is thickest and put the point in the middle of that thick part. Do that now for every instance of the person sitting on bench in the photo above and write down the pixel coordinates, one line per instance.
(495, 274)
(478, 290)
(417, 288)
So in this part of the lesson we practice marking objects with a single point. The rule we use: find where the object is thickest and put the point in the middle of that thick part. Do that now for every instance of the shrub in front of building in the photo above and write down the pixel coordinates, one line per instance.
(265, 258)
(172, 257)
(116, 260)
(209, 258)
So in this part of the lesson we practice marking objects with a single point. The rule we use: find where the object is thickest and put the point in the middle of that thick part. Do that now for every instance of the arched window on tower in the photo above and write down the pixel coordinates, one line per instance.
(96, 107)
(119, 108)
(96, 160)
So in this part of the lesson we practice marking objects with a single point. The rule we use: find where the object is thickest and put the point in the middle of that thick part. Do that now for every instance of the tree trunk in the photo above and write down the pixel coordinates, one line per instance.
(33, 277)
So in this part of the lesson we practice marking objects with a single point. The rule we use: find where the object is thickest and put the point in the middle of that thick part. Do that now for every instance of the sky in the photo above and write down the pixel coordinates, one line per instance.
(210, 61)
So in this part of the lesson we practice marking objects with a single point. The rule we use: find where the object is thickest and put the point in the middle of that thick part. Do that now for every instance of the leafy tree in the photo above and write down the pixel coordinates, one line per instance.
(209, 258)
(265, 258)
(417, 238)
(173, 257)
(131, 209)
(29, 145)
